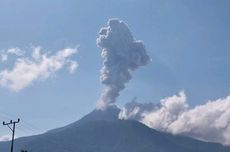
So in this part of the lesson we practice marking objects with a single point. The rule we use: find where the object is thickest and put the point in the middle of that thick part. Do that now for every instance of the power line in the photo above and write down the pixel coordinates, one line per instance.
(12, 129)
(25, 126)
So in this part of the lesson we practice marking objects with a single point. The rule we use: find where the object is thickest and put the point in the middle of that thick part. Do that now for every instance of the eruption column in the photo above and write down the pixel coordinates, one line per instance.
(121, 55)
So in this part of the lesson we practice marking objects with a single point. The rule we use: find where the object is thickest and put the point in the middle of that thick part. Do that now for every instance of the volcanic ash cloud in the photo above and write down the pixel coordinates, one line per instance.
(121, 54)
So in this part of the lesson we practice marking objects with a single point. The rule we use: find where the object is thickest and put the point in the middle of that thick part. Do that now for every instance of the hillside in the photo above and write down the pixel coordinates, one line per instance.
(103, 132)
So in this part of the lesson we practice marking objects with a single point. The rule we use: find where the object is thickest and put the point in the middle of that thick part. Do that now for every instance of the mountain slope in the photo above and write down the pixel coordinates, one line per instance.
(96, 133)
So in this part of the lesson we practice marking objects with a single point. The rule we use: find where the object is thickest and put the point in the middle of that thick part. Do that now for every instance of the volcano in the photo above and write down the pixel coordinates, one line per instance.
(102, 131)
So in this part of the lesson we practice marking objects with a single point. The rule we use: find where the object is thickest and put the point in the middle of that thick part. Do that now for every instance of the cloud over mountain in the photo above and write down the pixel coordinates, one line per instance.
(209, 122)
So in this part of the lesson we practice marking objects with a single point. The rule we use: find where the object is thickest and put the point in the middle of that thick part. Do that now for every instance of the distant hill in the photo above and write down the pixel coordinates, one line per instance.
(101, 131)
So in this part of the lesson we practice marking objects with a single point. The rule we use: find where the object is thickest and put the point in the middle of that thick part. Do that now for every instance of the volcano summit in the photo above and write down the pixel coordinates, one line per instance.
(102, 131)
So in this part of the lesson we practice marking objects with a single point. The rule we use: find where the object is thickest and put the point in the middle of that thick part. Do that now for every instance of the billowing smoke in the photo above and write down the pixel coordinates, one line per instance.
(209, 122)
(134, 110)
(121, 55)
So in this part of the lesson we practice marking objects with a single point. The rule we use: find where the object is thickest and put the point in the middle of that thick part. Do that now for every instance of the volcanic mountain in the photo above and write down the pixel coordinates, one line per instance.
(102, 131)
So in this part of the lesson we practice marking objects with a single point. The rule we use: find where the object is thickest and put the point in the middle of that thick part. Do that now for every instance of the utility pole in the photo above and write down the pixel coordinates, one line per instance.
(12, 129)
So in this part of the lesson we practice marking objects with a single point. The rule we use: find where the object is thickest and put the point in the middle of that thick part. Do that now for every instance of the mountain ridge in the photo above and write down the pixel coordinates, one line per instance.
(102, 131)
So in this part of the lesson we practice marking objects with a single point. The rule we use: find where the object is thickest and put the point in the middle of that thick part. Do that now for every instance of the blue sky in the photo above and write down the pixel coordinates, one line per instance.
(188, 42)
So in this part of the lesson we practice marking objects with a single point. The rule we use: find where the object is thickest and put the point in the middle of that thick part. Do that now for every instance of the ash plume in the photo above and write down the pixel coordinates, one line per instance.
(134, 110)
(121, 54)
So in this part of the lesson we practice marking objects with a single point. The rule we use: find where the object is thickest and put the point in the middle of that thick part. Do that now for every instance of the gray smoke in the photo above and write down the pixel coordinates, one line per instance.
(134, 110)
(121, 55)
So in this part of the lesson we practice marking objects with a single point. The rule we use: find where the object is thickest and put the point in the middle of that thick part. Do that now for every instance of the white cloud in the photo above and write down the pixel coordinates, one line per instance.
(5, 138)
(169, 111)
(4, 57)
(39, 66)
(209, 122)
(16, 51)
(36, 54)
(72, 66)
(11, 51)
